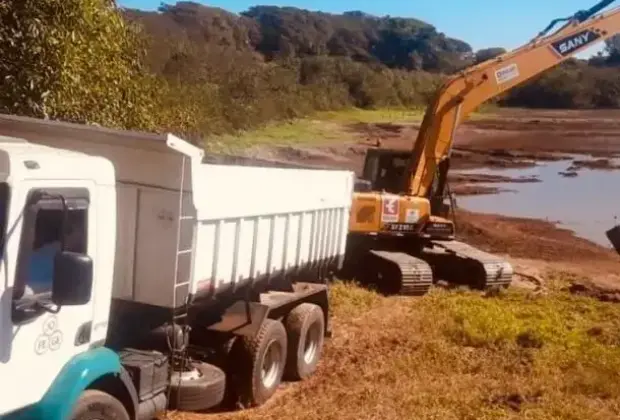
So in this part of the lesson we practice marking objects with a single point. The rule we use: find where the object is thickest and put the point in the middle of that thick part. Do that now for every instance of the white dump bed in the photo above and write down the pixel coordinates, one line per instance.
(236, 225)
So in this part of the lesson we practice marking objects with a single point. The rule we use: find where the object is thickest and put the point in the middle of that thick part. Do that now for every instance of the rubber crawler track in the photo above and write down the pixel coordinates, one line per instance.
(498, 272)
(416, 275)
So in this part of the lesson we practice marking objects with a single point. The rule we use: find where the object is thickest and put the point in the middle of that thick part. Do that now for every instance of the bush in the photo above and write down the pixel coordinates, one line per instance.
(76, 60)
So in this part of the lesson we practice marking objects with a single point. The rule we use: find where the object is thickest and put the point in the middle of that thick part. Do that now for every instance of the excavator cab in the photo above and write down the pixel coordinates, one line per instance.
(384, 170)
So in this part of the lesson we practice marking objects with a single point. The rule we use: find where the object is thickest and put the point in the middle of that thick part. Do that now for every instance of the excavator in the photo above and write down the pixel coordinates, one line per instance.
(401, 237)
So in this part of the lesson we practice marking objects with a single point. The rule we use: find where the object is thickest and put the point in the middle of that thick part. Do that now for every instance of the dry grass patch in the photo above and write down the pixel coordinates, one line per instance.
(459, 355)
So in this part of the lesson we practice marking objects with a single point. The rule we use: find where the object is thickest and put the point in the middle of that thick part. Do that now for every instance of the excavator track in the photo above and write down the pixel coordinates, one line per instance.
(491, 271)
(416, 275)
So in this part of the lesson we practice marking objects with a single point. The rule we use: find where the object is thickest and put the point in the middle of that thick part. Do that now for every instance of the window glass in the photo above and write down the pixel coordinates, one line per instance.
(47, 242)
(4, 209)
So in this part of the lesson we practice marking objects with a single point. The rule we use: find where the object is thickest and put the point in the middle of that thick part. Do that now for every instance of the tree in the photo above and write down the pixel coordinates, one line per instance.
(612, 50)
(488, 53)
(75, 60)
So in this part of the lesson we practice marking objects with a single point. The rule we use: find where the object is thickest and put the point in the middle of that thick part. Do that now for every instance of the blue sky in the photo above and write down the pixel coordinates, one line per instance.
(481, 23)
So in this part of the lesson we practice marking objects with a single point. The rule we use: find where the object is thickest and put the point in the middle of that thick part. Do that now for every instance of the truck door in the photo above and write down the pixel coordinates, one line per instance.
(44, 337)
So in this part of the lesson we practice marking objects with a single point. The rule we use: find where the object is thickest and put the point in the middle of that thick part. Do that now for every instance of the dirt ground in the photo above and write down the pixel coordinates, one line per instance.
(536, 246)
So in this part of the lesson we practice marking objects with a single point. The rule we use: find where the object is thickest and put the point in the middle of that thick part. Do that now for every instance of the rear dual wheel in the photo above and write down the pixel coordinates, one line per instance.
(305, 326)
(258, 364)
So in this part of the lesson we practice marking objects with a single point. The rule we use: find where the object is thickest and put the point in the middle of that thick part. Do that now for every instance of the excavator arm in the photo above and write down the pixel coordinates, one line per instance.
(463, 93)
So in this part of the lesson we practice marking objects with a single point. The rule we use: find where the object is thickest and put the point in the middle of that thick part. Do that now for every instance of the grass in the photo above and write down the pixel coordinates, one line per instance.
(320, 129)
(295, 132)
(459, 355)
(393, 115)
(357, 115)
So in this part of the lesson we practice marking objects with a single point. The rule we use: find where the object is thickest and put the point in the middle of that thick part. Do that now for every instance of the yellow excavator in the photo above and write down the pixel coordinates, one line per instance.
(400, 236)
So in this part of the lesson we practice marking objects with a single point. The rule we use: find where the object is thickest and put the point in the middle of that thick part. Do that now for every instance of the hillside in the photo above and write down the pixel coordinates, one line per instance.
(385, 44)
(200, 70)
(281, 33)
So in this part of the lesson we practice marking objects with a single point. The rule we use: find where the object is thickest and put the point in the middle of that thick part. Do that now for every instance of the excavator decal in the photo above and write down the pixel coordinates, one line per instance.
(506, 74)
(569, 45)
(390, 209)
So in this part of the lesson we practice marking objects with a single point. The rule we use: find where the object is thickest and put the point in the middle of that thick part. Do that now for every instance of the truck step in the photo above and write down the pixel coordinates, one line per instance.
(490, 270)
(416, 275)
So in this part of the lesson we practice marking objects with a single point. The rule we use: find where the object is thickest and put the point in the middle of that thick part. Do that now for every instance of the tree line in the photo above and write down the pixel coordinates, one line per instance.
(199, 70)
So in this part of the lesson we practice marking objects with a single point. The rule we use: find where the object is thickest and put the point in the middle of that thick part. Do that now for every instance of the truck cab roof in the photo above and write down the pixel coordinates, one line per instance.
(22, 159)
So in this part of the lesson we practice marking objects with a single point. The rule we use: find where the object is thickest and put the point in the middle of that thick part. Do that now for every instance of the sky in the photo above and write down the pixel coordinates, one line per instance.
(481, 23)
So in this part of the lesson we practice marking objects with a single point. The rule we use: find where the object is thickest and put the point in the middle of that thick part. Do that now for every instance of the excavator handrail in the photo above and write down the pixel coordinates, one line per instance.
(584, 15)
(468, 89)
(580, 16)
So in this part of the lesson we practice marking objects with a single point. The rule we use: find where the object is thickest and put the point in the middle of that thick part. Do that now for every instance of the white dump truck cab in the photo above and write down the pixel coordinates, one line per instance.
(137, 278)
(55, 204)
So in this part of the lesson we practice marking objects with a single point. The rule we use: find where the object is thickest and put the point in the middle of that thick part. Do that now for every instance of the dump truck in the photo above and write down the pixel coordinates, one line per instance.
(401, 234)
(137, 278)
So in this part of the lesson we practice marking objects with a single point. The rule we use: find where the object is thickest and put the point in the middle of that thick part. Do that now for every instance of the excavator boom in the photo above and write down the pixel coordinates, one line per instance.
(465, 92)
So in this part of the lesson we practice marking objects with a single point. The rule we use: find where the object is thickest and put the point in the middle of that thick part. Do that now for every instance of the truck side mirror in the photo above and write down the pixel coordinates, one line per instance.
(73, 279)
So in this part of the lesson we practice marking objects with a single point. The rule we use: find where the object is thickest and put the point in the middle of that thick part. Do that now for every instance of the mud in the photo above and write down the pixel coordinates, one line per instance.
(509, 138)
(468, 189)
(487, 178)
(585, 132)
(539, 247)
(468, 184)
(600, 164)
(528, 238)
(569, 174)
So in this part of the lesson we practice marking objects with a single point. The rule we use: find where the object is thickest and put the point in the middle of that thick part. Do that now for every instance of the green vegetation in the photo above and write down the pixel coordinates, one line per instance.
(295, 132)
(461, 355)
(384, 115)
(72, 60)
(204, 72)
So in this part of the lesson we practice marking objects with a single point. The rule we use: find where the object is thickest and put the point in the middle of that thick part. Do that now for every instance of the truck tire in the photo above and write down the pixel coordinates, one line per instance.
(98, 405)
(305, 326)
(257, 364)
(199, 388)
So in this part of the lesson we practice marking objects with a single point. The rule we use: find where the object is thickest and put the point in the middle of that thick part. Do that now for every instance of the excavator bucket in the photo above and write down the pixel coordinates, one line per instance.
(613, 235)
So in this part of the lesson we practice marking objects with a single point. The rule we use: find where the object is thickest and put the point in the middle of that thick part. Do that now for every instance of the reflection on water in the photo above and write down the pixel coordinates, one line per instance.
(586, 204)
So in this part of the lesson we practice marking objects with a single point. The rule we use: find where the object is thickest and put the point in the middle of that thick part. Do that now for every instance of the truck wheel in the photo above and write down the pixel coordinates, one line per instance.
(97, 405)
(199, 388)
(258, 363)
(305, 326)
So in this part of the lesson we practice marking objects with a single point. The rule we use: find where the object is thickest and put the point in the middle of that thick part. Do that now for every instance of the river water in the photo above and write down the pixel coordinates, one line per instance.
(586, 204)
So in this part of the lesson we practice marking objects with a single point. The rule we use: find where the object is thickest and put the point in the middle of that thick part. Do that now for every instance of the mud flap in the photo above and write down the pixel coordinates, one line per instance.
(242, 318)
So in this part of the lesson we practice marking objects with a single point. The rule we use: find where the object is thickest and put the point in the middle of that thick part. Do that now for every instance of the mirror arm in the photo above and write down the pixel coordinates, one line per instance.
(48, 308)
